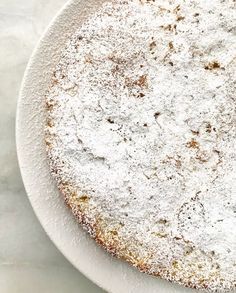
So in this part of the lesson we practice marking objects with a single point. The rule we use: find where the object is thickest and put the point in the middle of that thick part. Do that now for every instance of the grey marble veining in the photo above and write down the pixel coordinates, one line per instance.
(29, 262)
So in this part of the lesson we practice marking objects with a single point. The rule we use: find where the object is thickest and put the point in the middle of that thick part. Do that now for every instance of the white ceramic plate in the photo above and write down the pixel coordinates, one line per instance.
(111, 274)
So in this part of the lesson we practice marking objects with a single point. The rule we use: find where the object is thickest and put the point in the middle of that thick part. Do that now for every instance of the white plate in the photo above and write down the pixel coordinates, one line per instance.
(111, 274)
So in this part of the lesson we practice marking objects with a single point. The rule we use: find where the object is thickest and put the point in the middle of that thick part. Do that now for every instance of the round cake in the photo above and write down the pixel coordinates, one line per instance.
(141, 136)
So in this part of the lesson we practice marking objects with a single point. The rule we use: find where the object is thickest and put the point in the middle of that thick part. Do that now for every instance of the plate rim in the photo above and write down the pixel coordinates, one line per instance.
(24, 82)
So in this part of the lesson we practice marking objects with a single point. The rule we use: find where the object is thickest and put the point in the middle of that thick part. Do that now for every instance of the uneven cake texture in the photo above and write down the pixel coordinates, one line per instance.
(141, 136)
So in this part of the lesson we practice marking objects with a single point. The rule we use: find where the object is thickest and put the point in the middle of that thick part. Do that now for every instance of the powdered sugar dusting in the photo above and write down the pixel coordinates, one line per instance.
(142, 125)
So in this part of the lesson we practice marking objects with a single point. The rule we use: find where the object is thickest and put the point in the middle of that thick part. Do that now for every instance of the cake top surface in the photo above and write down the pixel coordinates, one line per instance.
(141, 135)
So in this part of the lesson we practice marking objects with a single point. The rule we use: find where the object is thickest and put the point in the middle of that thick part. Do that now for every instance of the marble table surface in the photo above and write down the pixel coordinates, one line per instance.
(29, 261)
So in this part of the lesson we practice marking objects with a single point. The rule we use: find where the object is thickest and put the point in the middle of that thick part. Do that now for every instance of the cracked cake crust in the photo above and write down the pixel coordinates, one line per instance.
(140, 136)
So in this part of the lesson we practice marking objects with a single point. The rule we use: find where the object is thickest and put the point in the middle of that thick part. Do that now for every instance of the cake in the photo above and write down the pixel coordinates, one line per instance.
(141, 136)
